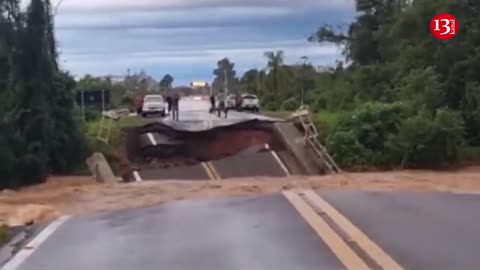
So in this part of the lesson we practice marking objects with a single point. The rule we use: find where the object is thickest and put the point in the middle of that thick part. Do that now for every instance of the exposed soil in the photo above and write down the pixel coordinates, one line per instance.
(199, 146)
(81, 195)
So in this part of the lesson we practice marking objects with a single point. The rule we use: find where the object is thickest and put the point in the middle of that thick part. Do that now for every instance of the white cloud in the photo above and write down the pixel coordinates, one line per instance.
(188, 37)
(70, 6)
(160, 18)
(245, 56)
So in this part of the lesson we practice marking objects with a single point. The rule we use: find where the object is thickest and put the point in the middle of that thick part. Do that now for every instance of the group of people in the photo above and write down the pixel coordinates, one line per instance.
(221, 104)
(172, 104)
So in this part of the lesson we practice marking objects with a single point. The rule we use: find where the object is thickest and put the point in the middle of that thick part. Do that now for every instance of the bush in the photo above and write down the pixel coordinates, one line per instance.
(7, 159)
(325, 123)
(390, 135)
(422, 141)
(31, 169)
(470, 153)
(92, 115)
(346, 150)
(368, 129)
(290, 104)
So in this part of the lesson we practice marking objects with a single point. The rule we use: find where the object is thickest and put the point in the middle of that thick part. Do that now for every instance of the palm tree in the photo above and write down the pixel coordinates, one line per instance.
(275, 61)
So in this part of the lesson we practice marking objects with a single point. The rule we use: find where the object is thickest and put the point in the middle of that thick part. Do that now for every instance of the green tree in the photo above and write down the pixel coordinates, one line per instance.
(305, 79)
(275, 61)
(39, 133)
(251, 81)
(166, 82)
(225, 70)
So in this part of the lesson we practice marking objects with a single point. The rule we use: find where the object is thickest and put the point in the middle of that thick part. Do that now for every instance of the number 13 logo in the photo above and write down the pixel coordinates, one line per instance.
(444, 26)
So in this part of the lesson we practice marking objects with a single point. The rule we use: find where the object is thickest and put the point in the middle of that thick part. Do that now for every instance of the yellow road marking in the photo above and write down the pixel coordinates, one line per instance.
(214, 171)
(207, 170)
(343, 252)
(372, 249)
(211, 171)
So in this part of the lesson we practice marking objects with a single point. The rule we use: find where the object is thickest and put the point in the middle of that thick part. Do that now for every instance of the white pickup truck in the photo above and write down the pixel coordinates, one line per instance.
(153, 104)
(250, 102)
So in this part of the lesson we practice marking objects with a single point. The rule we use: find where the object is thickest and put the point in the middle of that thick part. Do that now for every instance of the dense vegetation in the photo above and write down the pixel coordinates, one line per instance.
(412, 99)
(39, 133)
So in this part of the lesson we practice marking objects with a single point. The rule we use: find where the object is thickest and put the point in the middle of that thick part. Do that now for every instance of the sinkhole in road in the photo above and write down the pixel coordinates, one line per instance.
(161, 146)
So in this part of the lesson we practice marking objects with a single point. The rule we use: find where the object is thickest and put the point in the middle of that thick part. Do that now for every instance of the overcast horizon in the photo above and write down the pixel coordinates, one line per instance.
(186, 38)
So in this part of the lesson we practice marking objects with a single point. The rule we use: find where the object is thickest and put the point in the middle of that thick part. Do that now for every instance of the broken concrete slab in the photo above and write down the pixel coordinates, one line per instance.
(295, 144)
(100, 169)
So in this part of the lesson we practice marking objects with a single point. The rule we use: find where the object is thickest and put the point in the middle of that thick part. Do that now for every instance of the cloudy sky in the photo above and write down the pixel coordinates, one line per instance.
(186, 37)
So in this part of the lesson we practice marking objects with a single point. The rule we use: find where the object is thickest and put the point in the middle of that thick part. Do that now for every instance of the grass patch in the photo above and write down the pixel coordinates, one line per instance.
(329, 118)
(92, 128)
(116, 143)
(325, 122)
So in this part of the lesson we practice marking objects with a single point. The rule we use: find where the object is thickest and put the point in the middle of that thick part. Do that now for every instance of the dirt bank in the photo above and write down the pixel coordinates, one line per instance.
(81, 195)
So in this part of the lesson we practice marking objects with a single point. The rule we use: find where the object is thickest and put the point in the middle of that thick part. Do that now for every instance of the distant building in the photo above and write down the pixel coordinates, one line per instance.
(202, 88)
(199, 84)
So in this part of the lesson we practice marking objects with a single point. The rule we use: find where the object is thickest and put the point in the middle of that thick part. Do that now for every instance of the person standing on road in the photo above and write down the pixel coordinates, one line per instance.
(212, 103)
(139, 104)
(221, 104)
(175, 109)
(169, 103)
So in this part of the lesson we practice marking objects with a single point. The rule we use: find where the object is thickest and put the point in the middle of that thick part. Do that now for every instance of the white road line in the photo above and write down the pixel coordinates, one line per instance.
(151, 138)
(279, 161)
(137, 176)
(28, 250)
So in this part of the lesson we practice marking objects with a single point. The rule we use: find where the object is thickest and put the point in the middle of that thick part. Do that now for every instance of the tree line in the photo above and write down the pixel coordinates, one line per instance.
(403, 98)
(39, 131)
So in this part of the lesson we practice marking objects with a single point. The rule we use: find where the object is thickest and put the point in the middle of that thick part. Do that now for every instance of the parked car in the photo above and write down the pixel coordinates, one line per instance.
(231, 101)
(153, 104)
(250, 102)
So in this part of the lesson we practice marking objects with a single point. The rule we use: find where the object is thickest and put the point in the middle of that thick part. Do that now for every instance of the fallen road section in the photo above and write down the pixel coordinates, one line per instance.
(257, 161)
(250, 164)
(164, 151)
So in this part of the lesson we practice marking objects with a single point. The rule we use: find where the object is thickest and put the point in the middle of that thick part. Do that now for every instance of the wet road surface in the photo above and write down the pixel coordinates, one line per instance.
(194, 116)
(296, 230)
(421, 230)
(246, 233)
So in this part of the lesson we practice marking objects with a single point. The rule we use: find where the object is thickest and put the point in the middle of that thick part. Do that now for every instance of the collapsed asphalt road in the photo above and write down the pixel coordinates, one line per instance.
(293, 230)
(203, 146)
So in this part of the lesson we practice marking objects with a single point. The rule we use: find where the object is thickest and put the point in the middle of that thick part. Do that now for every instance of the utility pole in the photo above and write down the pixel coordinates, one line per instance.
(257, 82)
(225, 81)
(304, 77)
(103, 100)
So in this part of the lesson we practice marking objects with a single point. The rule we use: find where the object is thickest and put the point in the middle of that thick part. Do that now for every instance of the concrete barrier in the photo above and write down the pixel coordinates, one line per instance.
(99, 168)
